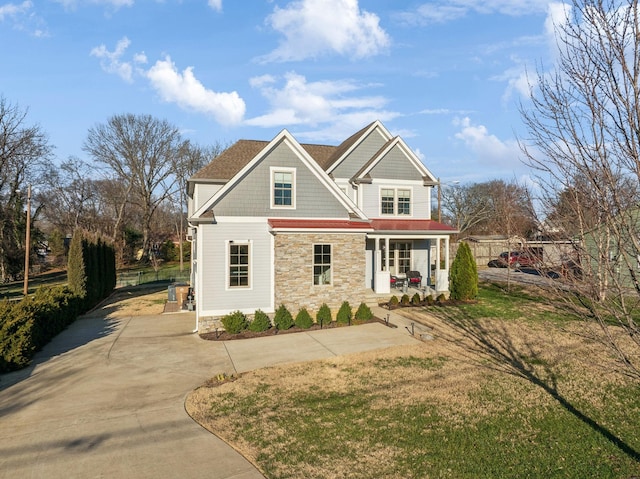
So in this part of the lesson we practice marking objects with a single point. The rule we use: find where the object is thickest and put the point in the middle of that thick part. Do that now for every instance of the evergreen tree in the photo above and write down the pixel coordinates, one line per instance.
(464, 275)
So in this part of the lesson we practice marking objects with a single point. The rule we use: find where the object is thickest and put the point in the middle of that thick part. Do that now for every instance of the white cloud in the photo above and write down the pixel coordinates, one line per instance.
(317, 27)
(445, 11)
(299, 102)
(557, 15)
(488, 148)
(188, 92)
(115, 4)
(215, 5)
(111, 61)
(518, 80)
(13, 10)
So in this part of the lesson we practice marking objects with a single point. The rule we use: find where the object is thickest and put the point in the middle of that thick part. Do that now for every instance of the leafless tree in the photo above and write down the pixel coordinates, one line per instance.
(137, 151)
(583, 126)
(24, 151)
(488, 208)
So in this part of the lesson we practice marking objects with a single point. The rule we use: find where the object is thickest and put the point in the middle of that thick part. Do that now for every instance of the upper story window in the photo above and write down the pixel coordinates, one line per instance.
(283, 187)
(395, 201)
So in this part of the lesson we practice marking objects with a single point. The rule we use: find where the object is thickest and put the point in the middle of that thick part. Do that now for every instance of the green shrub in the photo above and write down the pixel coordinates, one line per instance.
(405, 300)
(415, 299)
(235, 322)
(323, 317)
(464, 275)
(261, 322)
(303, 319)
(429, 300)
(393, 301)
(364, 313)
(283, 319)
(441, 298)
(344, 313)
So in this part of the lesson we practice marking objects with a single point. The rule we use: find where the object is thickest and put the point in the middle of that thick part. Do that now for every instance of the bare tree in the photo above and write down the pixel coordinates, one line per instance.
(584, 139)
(23, 151)
(138, 151)
(489, 207)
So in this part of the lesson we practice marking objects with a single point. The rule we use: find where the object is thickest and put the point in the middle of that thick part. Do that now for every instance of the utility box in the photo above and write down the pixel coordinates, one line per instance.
(182, 291)
(172, 293)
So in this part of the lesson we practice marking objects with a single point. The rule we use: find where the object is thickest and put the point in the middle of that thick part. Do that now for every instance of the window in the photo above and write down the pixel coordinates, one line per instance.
(321, 264)
(395, 201)
(404, 202)
(238, 265)
(283, 187)
(387, 201)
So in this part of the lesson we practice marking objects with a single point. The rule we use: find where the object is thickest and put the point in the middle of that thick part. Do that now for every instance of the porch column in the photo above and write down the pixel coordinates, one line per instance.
(386, 254)
(442, 275)
(382, 281)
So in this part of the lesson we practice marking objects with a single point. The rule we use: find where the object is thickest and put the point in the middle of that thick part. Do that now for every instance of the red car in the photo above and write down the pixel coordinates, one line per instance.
(515, 259)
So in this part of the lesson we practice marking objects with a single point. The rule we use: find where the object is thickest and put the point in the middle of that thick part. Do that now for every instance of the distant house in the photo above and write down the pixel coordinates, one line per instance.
(280, 222)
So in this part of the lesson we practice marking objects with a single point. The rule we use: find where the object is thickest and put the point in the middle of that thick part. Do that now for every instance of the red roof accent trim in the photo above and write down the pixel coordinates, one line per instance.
(278, 223)
(410, 225)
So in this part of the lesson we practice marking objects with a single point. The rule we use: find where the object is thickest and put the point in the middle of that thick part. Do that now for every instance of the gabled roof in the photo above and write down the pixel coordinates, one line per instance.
(243, 164)
(348, 145)
(364, 172)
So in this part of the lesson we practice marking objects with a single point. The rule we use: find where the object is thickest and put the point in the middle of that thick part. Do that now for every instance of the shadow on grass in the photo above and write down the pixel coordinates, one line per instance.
(497, 346)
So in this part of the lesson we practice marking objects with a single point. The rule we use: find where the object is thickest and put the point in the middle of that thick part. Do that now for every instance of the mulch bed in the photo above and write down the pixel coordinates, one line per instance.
(224, 336)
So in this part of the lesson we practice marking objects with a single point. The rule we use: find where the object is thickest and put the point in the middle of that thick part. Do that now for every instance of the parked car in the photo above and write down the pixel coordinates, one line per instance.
(515, 259)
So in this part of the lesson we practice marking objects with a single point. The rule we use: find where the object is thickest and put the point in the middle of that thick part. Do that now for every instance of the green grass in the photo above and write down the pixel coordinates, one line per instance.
(431, 413)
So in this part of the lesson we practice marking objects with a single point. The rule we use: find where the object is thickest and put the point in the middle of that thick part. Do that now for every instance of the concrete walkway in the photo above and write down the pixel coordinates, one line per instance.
(106, 397)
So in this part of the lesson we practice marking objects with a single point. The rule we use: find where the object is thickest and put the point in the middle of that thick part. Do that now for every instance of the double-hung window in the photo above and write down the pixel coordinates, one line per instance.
(283, 187)
(321, 264)
(239, 256)
(395, 201)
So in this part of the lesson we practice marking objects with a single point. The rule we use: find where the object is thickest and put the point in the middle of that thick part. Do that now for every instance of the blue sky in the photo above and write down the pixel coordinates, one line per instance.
(445, 75)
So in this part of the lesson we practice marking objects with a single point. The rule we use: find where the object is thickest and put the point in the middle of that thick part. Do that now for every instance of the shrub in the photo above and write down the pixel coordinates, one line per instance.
(405, 299)
(283, 319)
(429, 299)
(324, 315)
(415, 299)
(261, 322)
(364, 313)
(441, 298)
(235, 322)
(393, 301)
(344, 313)
(464, 275)
(303, 319)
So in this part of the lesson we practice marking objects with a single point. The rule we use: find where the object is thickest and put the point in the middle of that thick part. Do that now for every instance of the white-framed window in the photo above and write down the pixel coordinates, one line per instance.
(239, 265)
(321, 264)
(283, 187)
(395, 201)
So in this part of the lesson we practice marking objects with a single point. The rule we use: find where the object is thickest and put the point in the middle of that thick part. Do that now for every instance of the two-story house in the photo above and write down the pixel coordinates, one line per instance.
(281, 222)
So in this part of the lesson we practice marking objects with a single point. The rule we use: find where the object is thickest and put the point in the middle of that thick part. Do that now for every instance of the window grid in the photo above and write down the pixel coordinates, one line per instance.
(238, 265)
(387, 201)
(321, 264)
(404, 202)
(282, 188)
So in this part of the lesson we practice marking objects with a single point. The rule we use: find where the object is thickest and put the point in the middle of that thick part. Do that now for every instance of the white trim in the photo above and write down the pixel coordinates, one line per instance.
(321, 230)
(278, 169)
(228, 244)
(385, 181)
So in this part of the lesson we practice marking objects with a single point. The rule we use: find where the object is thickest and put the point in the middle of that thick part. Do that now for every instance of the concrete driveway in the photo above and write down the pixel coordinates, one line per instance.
(106, 397)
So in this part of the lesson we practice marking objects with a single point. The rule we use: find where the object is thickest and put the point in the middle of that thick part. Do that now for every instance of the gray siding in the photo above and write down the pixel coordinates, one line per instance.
(212, 265)
(396, 166)
(360, 156)
(252, 195)
(203, 192)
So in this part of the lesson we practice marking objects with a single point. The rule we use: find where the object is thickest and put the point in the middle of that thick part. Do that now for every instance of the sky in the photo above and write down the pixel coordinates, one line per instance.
(448, 76)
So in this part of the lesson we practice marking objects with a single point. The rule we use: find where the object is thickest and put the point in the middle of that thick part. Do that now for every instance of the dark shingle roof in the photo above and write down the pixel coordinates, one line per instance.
(230, 161)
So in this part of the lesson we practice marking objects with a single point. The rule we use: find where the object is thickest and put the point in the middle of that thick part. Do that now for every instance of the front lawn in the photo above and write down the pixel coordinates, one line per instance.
(505, 390)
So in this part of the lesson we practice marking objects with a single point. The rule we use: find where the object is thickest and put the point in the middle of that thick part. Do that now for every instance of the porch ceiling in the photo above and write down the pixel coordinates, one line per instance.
(408, 226)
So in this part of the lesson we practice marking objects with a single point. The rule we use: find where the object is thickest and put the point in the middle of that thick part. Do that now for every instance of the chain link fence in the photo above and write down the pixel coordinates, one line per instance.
(169, 275)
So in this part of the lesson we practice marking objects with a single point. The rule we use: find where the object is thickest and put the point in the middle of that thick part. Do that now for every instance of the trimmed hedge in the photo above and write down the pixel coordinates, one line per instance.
(283, 319)
(323, 317)
(28, 325)
(261, 322)
(235, 322)
(303, 319)
(364, 312)
(344, 313)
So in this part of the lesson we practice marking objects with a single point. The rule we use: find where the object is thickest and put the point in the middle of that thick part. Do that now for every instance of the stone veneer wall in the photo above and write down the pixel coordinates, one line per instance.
(294, 271)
